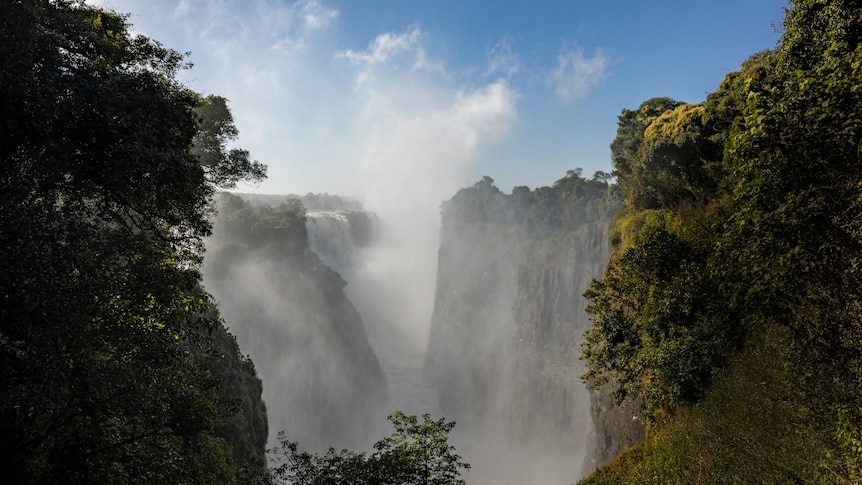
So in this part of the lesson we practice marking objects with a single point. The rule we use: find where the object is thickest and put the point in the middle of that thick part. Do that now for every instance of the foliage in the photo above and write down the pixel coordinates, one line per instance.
(281, 227)
(104, 331)
(742, 214)
(752, 426)
(845, 461)
(215, 130)
(657, 324)
(246, 430)
(798, 211)
(626, 149)
(416, 453)
(665, 155)
(570, 203)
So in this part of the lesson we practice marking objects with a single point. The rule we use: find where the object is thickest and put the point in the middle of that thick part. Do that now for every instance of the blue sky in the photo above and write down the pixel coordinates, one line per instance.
(384, 99)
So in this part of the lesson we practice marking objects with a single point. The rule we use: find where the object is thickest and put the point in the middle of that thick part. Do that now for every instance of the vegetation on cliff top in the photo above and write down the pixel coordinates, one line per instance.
(731, 308)
(567, 205)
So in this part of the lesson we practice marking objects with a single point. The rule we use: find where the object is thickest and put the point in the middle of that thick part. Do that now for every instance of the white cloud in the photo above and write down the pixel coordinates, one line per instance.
(392, 50)
(384, 47)
(278, 24)
(502, 60)
(315, 16)
(577, 73)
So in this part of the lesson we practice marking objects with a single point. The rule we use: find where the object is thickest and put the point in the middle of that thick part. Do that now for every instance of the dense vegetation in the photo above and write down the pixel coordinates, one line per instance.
(116, 367)
(311, 201)
(415, 453)
(570, 203)
(731, 308)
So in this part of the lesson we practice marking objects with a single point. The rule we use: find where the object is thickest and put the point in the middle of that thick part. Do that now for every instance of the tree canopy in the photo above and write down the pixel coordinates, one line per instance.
(416, 453)
(570, 203)
(743, 215)
(105, 333)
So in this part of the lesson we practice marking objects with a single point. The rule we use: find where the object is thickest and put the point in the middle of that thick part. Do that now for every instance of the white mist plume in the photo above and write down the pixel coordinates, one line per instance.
(409, 163)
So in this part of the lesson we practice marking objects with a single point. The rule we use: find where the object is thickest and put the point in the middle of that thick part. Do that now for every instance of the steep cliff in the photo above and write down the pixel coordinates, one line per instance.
(322, 382)
(509, 317)
(616, 426)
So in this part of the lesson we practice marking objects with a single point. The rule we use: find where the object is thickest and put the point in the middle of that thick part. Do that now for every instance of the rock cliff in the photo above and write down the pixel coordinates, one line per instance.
(322, 383)
(508, 320)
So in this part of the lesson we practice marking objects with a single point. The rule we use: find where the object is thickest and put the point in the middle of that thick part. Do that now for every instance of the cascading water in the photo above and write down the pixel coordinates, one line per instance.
(331, 237)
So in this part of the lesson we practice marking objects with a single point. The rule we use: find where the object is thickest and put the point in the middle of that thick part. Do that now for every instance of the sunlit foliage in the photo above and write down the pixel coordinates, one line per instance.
(742, 217)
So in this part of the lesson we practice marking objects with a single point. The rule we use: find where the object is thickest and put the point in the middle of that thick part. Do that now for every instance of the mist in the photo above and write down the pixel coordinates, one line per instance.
(407, 171)
(417, 152)
(411, 142)
(501, 355)
(323, 385)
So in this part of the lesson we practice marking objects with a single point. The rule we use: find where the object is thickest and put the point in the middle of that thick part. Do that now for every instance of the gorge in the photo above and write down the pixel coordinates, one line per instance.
(712, 282)
(502, 348)
(322, 382)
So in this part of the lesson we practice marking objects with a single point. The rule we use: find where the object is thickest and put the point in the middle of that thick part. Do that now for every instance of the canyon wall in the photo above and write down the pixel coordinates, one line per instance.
(322, 383)
(508, 320)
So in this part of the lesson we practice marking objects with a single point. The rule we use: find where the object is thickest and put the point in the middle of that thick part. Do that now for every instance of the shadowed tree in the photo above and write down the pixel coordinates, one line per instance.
(106, 362)
(416, 453)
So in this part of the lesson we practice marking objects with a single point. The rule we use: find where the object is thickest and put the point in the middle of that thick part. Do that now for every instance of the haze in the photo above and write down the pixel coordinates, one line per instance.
(400, 104)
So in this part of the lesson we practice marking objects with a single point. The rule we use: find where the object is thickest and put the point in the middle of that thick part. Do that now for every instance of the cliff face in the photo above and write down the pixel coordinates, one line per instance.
(507, 324)
(322, 382)
(550, 321)
(472, 323)
(616, 427)
(504, 345)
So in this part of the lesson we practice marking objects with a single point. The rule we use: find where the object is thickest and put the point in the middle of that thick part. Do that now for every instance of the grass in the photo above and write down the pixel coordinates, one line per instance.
(754, 426)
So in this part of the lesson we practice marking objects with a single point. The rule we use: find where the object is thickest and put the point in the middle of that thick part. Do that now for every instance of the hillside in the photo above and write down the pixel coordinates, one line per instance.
(730, 310)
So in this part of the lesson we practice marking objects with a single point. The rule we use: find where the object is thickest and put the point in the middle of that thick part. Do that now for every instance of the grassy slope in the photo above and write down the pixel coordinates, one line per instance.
(753, 427)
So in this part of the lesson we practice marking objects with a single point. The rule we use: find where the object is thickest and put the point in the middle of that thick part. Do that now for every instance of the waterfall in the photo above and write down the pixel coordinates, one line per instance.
(337, 236)
(503, 348)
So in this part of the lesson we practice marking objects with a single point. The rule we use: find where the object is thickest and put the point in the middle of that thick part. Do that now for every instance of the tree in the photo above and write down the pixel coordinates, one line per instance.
(107, 372)
(661, 332)
(772, 240)
(417, 453)
(626, 150)
(223, 167)
(795, 238)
